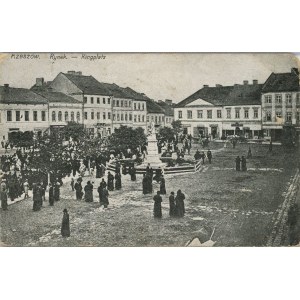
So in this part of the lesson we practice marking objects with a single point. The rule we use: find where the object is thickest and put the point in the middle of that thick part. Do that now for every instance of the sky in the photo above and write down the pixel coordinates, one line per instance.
(159, 75)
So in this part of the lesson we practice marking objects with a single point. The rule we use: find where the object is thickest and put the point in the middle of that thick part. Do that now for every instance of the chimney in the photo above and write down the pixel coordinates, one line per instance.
(255, 81)
(169, 102)
(39, 81)
(6, 88)
(218, 85)
(78, 73)
(245, 82)
(205, 85)
(72, 72)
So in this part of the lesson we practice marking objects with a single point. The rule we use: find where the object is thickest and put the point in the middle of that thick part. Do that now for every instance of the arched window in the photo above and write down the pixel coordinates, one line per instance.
(78, 116)
(66, 116)
(126, 117)
(59, 116)
(72, 116)
(53, 116)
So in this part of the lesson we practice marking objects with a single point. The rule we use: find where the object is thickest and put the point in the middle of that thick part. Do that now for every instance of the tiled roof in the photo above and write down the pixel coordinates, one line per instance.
(154, 108)
(135, 95)
(88, 84)
(11, 95)
(168, 109)
(117, 91)
(227, 95)
(52, 97)
(281, 82)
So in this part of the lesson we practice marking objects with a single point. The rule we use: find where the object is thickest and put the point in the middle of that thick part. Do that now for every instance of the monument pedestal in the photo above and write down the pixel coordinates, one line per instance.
(153, 157)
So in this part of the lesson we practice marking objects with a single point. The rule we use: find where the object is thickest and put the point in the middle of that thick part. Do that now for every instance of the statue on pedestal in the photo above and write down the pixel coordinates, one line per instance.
(151, 128)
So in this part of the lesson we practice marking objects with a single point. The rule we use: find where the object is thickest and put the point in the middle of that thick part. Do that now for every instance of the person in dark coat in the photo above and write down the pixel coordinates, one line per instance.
(51, 195)
(133, 173)
(88, 190)
(124, 169)
(118, 182)
(249, 155)
(209, 155)
(162, 185)
(145, 183)
(110, 181)
(65, 225)
(57, 191)
(179, 200)
(72, 184)
(244, 164)
(197, 155)
(238, 164)
(270, 146)
(173, 211)
(203, 157)
(78, 189)
(36, 198)
(104, 200)
(3, 194)
(149, 184)
(157, 205)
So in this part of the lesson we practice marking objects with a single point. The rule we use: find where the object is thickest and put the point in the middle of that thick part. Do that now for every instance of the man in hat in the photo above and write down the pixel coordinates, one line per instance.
(3, 194)
(157, 205)
(65, 226)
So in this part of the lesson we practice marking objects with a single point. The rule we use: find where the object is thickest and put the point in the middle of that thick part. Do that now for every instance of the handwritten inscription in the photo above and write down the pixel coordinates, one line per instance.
(93, 56)
(24, 56)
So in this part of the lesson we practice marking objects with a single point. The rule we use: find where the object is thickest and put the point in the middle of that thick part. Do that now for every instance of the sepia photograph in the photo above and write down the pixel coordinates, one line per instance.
(149, 149)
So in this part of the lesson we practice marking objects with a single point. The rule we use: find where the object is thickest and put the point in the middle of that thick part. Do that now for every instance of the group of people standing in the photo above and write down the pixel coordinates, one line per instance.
(241, 163)
(201, 156)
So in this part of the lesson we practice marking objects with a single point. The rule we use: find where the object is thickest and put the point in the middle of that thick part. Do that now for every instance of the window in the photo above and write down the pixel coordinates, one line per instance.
(278, 99)
(43, 116)
(114, 103)
(66, 116)
(9, 115)
(189, 114)
(122, 117)
(85, 115)
(104, 116)
(108, 100)
(118, 117)
(143, 118)
(98, 115)
(289, 116)
(72, 116)
(152, 118)
(134, 106)
(200, 114)
(53, 116)
(255, 113)
(117, 103)
(104, 100)
(219, 114)
(246, 113)
(139, 118)
(228, 113)
(143, 107)
(155, 119)
(288, 98)
(35, 115)
(268, 116)
(78, 116)
(237, 113)
(159, 119)
(84, 99)
(92, 100)
(92, 115)
(268, 99)
(26, 115)
(278, 114)
(134, 118)
(130, 117)
(108, 115)
(179, 114)
(129, 103)
(125, 103)
(122, 103)
(148, 119)
(59, 117)
(98, 100)
(209, 114)
(18, 117)
(114, 117)
(126, 117)
(139, 106)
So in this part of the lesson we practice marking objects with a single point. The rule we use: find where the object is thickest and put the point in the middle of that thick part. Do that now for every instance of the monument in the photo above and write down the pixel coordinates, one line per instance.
(152, 157)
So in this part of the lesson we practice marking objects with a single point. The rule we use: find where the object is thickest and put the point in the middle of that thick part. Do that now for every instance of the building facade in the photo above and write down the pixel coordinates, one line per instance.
(280, 101)
(22, 110)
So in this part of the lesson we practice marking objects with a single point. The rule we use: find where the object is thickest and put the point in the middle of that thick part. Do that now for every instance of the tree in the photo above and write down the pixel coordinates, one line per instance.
(73, 130)
(177, 127)
(166, 134)
(126, 137)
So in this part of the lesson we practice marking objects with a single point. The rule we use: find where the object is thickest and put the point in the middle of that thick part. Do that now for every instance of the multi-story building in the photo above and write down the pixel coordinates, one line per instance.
(222, 110)
(155, 114)
(168, 108)
(280, 101)
(95, 97)
(22, 110)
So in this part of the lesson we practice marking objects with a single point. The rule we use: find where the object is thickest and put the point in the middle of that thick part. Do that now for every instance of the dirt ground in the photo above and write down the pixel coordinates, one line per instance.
(238, 206)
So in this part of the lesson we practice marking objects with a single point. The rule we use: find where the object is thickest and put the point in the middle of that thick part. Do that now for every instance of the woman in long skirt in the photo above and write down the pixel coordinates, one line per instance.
(157, 205)
(118, 181)
(88, 190)
(162, 185)
(65, 226)
(172, 211)
(179, 200)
